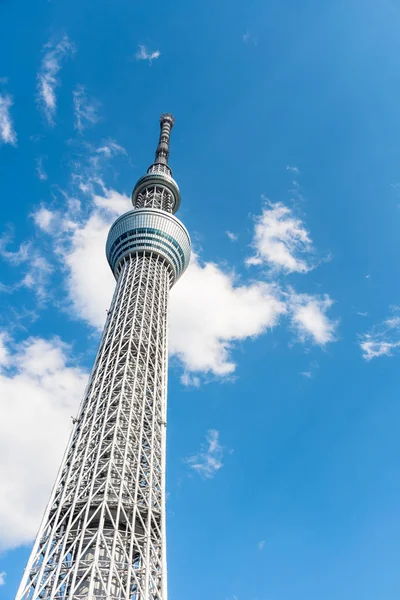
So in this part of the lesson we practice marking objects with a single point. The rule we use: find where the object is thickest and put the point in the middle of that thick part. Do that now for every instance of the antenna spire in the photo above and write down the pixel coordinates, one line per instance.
(162, 152)
(158, 189)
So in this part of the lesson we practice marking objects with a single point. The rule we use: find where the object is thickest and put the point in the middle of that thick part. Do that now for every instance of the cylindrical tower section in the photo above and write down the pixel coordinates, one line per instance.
(149, 231)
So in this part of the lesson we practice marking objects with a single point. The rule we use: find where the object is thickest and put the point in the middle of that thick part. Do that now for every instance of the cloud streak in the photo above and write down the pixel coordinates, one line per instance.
(232, 236)
(209, 460)
(382, 339)
(47, 78)
(85, 110)
(37, 268)
(7, 131)
(144, 54)
(40, 172)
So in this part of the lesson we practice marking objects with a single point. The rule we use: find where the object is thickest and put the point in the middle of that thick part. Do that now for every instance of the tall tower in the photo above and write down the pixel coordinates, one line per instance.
(103, 533)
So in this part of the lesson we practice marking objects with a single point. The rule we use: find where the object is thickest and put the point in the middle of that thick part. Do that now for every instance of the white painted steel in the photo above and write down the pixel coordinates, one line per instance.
(103, 533)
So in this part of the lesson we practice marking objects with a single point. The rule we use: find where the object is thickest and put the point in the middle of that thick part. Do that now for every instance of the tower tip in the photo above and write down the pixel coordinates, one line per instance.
(167, 117)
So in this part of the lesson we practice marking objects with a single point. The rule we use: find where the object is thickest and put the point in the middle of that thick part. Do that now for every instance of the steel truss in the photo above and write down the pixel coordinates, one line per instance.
(103, 533)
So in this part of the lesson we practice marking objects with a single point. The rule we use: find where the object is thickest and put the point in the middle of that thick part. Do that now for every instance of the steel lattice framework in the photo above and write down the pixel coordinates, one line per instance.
(103, 533)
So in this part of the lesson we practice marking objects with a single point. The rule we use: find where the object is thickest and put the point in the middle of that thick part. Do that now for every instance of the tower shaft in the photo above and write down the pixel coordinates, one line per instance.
(103, 533)
(104, 536)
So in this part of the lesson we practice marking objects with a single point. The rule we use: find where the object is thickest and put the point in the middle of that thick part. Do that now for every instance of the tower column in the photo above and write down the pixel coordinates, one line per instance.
(103, 533)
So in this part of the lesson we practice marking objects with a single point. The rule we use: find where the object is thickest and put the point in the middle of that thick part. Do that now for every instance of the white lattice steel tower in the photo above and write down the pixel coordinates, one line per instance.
(103, 532)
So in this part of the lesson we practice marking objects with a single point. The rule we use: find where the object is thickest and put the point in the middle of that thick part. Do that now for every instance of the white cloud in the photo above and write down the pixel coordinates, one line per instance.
(37, 277)
(232, 236)
(14, 257)
(37, 269)
(110, 148)
(47, 80)
(3, 578)
(144, 54)
(381, 340)
(85, 110)
(7, 132)
(4, 338)
(189, 380)
(249, 39)
(309, 319)
(87, 175)
(89, 280)
(209, 312)
(281, 241)
(40, 172)
(43, 218)
(292, 169)
(209, 460)
(113, 202)
(372, 349)
(39, 391)
(306, 374)
(261, 545)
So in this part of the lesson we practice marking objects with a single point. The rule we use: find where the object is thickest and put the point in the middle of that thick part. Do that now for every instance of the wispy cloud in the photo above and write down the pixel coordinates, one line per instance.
(85, 109)
(37, 276)
(311, 370)
(309, 318)
(232, 236)
(3, 80)
(40, 172)
(189, 380)
(144, 54)
(14, 257)
(261, 545)
(3, 578)
(209, 460)
(7, 132)
(110, 148)
(249, 39)
(47, 80)
(281, 240)
(292, 169)
(382, 339)
(43, 218)
(37, 269)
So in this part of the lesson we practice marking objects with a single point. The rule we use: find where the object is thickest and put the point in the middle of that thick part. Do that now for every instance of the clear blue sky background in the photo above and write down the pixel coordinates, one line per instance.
(307, 502)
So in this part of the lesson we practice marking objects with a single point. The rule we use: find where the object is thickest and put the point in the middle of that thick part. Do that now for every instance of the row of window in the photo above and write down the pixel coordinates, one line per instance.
(131, 245)
(145, 231)
(151, 221)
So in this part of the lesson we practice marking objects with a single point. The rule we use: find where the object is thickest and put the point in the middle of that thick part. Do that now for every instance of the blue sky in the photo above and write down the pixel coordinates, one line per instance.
(283, 457)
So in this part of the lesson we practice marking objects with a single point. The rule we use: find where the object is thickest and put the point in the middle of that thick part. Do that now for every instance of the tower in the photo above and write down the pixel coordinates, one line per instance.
(102, 536)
